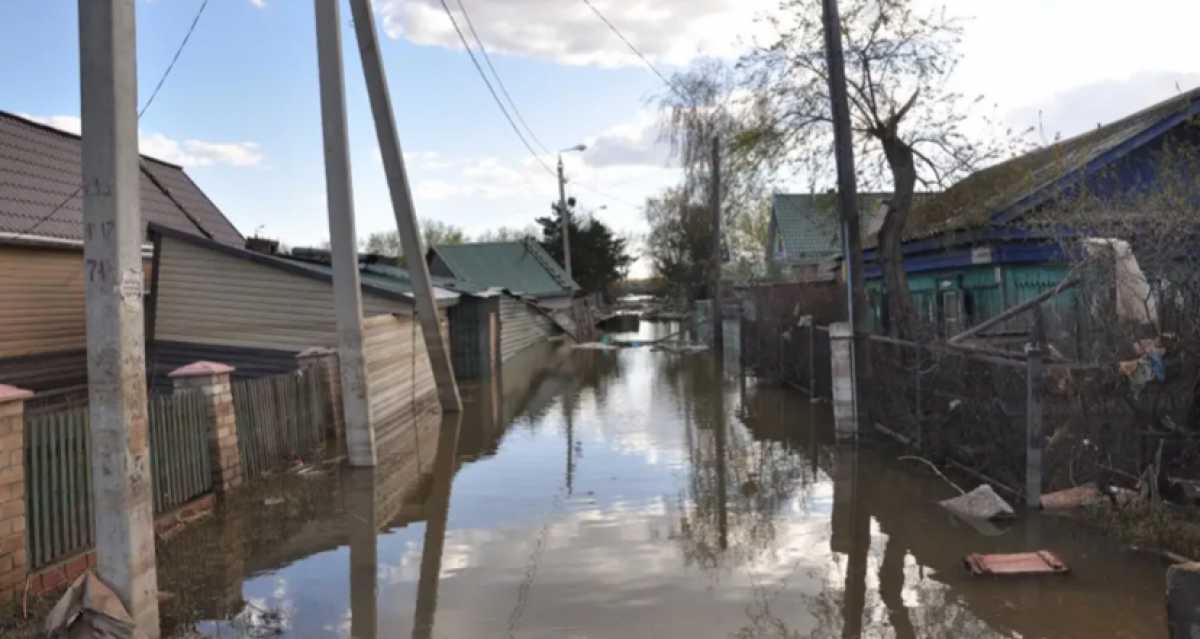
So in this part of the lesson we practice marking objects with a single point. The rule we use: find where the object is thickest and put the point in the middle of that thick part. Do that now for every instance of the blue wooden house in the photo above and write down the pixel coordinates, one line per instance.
(968, 253)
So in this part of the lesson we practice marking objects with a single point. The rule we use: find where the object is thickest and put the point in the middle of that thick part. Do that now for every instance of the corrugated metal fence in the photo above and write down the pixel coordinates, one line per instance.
(58, 470)
(279, 418)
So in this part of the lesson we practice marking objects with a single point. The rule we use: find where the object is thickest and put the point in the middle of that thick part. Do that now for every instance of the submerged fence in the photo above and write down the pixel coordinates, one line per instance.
(280, 418)
(58, 470)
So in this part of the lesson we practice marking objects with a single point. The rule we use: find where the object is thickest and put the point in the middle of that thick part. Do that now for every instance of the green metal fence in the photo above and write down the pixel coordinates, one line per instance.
(58, 470)
(279, 419)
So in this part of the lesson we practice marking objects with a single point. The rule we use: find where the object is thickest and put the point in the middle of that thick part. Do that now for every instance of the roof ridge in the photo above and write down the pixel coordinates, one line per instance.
(556, 272)
(182, 209)
(74, 136)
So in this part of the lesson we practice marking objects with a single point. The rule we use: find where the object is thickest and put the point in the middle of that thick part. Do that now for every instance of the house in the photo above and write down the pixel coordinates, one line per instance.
(972, 251)
(42, 317)
(517, 296)
(804, 235)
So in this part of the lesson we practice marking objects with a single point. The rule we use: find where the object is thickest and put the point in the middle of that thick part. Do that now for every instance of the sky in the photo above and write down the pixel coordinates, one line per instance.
(240, 110)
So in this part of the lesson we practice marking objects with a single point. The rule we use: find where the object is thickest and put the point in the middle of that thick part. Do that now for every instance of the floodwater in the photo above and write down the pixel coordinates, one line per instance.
(634, 493)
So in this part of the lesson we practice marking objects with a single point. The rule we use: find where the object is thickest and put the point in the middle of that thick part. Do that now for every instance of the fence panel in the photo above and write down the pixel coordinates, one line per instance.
(180, 458)
(58, 484)
(279, 418)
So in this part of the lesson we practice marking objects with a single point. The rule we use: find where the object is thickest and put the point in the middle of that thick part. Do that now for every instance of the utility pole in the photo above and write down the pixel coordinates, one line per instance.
(113, 234)
(565, 214)
(402, 204)
(843, 150)
(347, 296)
(717, 326)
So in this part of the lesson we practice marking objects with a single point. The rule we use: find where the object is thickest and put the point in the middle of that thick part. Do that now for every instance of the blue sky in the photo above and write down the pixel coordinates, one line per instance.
(240, 110)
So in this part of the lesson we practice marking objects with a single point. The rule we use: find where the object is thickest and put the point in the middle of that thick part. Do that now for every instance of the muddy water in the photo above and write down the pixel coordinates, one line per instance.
(633, 493)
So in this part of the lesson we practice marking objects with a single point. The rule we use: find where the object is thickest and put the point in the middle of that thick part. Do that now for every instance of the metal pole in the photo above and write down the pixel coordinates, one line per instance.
(843, 148)
(402, 204)
(566, 219)
(347, 296)
(718, 334)
(1033, 414)
(113, 234)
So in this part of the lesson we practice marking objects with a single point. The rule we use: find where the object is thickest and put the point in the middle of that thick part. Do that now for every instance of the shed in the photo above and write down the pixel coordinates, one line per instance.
(521, 267)
(804, 234)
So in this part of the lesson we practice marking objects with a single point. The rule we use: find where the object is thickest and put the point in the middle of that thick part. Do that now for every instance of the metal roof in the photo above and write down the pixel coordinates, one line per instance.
(522, 267)
(40, 168)
(806, 224)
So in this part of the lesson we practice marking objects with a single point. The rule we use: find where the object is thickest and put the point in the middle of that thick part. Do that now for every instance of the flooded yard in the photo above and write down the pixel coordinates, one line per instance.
(635, 493)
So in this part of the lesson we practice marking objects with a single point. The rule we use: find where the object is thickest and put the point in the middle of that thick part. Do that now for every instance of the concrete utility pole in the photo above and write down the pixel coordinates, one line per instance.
(565, 215)
(347, 296)
(843, 150)
(402, 204)
(718, 326)
(566, 212)
(113, 233)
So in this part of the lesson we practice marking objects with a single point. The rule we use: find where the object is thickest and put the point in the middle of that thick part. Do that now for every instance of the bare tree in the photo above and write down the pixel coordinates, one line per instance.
(910, 127)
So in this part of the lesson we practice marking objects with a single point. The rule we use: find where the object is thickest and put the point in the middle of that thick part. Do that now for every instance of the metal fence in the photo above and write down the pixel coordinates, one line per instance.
(784, 339)
(58, 477)
(280, 418)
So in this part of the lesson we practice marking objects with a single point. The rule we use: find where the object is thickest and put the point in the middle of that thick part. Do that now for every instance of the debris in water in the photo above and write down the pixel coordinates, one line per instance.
(1041, 562)
(273, 501)
(91, 610)
(595, 346)
(1071, 498)
(981, 503)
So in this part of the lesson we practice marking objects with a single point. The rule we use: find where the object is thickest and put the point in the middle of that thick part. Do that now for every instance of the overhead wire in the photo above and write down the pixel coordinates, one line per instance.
(499, 81)
(650, 65)
(495, 97)
(153, 94)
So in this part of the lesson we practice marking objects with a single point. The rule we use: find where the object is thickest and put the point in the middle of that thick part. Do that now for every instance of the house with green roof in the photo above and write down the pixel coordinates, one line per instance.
(520, 267)
(992, 241)
(804, 237)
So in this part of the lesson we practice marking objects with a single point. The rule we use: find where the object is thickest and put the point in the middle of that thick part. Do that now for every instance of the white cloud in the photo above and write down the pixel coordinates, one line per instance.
(634, 143)
(259, 3)
(186, 153)
(667, 31)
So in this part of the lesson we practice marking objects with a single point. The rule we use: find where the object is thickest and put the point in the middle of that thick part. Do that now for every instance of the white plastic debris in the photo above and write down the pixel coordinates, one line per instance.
(595, 346)
(981, 503)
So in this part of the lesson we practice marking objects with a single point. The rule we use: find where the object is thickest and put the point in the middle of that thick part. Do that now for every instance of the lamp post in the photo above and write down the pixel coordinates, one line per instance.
(563, 211)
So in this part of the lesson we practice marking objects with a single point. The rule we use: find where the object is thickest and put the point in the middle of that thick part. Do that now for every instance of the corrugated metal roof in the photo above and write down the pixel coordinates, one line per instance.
(1011, 187)
(808, 228)
(521, 267)
(40, 168)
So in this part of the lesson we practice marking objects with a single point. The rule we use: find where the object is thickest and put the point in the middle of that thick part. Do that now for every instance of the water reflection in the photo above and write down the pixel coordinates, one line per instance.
(637, 493)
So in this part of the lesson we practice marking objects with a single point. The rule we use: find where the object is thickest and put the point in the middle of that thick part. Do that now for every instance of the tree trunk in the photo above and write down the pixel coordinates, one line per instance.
(891, 259)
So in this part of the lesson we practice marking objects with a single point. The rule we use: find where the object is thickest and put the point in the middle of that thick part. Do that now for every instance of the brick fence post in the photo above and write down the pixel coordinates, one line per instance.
(212, 379)
(326, 361)
(13, 563)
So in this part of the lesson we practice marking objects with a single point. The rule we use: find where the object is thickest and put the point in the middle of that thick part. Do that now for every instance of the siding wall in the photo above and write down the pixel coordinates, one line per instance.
(41, 301)
(210, 297)
(521, 327)
(399, 378)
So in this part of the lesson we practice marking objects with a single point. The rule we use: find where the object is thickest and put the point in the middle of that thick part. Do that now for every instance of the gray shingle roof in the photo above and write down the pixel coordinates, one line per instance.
(40, 168)
(521, 267)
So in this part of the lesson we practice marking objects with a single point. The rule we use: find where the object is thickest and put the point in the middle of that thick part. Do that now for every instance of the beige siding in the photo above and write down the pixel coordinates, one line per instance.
(399, 376)
(41, 301)
(521, 327)
(210, 297)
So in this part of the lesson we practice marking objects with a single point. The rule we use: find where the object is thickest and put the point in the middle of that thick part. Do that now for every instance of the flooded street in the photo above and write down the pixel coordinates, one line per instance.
(634, 493)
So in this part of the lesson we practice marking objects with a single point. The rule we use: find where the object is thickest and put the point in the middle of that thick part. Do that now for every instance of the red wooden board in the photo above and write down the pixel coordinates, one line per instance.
(1041, 562)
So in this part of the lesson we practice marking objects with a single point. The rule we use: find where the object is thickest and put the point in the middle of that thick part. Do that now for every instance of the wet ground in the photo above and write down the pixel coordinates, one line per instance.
(634, 493)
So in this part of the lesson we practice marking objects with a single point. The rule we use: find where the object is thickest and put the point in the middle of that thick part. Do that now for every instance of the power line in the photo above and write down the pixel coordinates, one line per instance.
(650, 65)
(503, 89)
(153, 94)
(475, 61)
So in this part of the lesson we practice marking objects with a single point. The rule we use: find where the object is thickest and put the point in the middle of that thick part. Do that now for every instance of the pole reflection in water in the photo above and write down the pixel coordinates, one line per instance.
(851, 536)
(438, 509)
(363, 527)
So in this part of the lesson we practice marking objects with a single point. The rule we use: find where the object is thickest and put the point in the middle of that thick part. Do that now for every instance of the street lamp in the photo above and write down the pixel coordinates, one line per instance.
(562, 209)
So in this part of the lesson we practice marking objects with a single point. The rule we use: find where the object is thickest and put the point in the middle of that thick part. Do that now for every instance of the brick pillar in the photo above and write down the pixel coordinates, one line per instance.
(212, 379)
(13, 564)
(841, 348)
(326, 361)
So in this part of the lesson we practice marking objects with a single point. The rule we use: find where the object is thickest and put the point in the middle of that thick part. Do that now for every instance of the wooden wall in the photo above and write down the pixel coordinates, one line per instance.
(399, 377)
(521, 327)
(207, 296)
